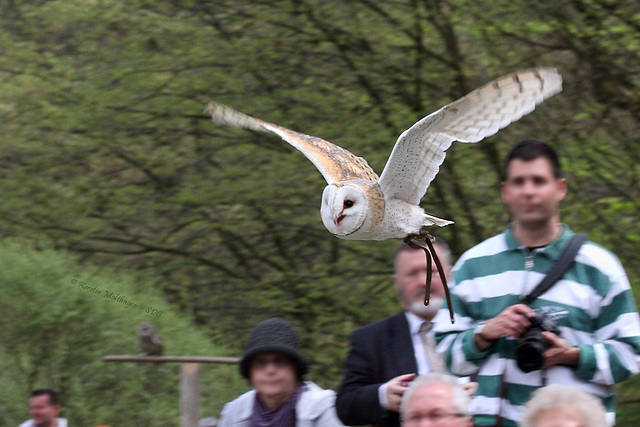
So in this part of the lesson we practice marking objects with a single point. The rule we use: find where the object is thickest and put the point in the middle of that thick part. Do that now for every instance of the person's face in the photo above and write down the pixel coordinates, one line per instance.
(531, 192)
(272, 375)
(559, 417)
(41, 410)
(432, 405)
(411, 275)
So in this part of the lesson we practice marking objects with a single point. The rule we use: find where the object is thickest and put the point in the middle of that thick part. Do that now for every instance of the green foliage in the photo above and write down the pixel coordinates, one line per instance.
(59, 320)
(106, 153)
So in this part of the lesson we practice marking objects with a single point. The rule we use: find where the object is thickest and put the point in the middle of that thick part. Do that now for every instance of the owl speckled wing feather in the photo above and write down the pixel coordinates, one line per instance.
(420, 150)
(334, 163)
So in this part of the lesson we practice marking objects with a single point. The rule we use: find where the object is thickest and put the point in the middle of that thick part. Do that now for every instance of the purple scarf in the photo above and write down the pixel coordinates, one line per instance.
(282, 416)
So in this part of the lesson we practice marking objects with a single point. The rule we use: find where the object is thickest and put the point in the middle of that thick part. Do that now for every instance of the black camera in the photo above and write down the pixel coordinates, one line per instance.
(532, 346)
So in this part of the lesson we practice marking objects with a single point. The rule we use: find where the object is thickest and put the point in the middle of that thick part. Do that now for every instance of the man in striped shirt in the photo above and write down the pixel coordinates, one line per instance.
(592, 304)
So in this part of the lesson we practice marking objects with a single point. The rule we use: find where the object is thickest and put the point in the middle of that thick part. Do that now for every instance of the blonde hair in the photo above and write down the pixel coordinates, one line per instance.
(557, 396)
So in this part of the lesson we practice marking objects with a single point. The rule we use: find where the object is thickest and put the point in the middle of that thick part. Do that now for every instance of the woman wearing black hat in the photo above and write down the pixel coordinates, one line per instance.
(280, 397)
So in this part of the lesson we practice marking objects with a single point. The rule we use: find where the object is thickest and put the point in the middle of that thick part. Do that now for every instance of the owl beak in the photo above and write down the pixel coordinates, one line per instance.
(340, 218)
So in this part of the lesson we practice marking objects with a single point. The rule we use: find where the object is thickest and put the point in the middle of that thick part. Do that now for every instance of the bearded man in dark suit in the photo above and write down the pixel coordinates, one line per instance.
(385, 356)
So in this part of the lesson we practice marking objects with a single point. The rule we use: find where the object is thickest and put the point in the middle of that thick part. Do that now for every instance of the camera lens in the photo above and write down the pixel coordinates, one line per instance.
(529, 354)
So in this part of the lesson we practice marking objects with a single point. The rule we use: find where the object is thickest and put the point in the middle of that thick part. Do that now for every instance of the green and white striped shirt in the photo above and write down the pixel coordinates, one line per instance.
(593, 305)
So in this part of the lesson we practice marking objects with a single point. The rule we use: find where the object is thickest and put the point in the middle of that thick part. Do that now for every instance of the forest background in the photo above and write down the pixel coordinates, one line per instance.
(111, 174)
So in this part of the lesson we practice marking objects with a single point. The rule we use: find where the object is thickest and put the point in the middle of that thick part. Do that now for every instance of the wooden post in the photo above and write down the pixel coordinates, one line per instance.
(189, 394)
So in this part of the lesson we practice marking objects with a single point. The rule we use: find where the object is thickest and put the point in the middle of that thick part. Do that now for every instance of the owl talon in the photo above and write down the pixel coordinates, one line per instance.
(427, 236)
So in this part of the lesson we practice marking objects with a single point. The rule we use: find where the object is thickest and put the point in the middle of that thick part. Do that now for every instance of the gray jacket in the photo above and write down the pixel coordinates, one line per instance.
(316, 408)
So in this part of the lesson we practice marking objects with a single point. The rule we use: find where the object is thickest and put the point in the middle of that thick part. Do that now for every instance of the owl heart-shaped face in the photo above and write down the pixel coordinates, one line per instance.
(344, 208)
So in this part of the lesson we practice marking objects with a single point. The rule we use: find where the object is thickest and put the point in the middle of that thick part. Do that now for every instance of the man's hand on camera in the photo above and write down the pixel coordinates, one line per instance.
(513, 321)
(559, 352)
(395, 389)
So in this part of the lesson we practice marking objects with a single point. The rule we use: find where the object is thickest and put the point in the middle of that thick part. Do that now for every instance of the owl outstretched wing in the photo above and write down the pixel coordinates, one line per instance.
(334, 163)
(420, 150)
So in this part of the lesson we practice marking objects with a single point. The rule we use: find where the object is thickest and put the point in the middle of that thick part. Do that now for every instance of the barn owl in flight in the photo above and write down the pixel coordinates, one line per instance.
(359, 205)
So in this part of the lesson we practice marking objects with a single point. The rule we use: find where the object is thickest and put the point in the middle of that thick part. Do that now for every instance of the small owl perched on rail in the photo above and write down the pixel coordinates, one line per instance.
(149, 340)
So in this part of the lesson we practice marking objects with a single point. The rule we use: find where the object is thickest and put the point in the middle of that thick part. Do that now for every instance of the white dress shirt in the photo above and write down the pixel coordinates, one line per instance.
(420, 355)
(418, 350)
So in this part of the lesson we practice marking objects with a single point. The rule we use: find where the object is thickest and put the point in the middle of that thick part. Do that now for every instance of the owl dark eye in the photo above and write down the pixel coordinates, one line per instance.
(348, 203)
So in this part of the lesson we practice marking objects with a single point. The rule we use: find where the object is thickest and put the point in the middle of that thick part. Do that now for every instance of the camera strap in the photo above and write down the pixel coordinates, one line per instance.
(558, 269)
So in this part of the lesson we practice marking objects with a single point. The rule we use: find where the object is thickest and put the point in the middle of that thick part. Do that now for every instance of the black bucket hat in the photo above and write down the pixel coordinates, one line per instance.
(274, 335)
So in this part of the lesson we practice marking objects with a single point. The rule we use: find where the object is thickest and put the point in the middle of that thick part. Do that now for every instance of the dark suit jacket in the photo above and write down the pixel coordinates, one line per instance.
(379, 352)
